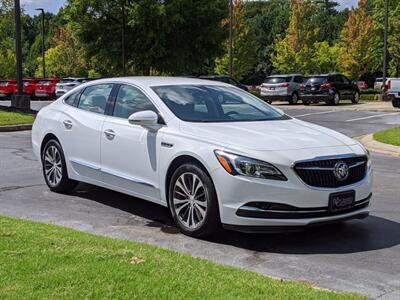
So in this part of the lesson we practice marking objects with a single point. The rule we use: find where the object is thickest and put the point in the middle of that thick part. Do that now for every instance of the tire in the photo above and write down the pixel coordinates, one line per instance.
(306, 102)
(356, 98)
(336, 99)
(195, 216)
(396, 102)
(53, 159)
(294, 99)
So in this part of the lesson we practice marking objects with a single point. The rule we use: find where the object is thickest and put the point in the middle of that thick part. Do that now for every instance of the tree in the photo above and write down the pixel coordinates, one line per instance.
(268, 19)
(7, 30)
(355, 45)
(329, 20)
(394, 45)
(295, 50)
(65, 58)
(171, 36)
(325, 57)
(244, 46)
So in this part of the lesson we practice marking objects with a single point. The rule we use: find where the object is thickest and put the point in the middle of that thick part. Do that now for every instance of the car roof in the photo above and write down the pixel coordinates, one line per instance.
(284, 75)
(150, 81)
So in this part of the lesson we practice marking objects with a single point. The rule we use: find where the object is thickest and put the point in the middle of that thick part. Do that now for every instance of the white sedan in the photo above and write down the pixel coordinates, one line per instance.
(212, 153)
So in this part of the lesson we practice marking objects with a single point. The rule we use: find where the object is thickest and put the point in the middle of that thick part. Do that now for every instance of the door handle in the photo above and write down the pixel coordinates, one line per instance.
(67, 124)
(110, 134)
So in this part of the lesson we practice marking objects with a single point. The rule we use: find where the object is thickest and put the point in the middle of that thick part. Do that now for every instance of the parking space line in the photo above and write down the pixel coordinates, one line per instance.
(315, 113)
(370, 117)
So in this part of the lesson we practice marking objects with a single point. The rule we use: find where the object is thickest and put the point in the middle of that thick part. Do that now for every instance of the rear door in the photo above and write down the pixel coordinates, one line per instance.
(82, 123)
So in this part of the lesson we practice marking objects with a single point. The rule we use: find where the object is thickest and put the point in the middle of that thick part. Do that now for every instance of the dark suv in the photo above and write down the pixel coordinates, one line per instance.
(330, 88)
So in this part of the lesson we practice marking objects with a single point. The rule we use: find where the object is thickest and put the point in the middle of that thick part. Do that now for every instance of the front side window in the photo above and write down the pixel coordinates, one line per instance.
(94, 98)
(208, 103)
(131, 100)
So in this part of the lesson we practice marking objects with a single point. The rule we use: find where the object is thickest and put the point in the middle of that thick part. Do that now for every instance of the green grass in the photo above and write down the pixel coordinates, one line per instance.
(388, 136)
(41, 261)
(14, 118)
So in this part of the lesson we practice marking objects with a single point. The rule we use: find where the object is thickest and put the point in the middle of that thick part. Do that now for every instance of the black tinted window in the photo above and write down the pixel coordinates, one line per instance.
(277, 79)
(315, 80)
(131, 100)
(345, 80)
(298, 79)
(94, 98)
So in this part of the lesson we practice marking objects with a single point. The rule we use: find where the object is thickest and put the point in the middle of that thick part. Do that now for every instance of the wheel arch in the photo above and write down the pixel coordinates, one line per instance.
(47, 137)
(175, 164)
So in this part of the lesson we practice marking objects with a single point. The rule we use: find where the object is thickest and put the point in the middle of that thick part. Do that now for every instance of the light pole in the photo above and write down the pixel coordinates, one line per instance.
(43, 48)
(19, 100)
(123, 39)
(385, 44)
(230, 37)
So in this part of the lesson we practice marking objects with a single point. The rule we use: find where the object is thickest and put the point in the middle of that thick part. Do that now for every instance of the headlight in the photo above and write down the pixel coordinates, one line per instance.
(241, 165)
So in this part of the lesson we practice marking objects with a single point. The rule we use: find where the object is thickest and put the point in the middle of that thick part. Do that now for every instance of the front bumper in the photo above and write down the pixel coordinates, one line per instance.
(309, 205)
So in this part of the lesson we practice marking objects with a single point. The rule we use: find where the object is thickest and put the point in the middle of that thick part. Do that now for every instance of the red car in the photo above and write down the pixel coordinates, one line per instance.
(362, 85)
(29, 86)
(7, 88)
(46, 89)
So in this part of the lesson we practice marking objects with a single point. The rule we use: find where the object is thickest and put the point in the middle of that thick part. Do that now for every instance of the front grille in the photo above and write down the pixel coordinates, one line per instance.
(320, 173)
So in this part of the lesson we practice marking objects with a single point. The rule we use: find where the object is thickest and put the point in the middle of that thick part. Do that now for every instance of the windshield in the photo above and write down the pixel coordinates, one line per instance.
(209, 103)
(277, 80)
(315, 80)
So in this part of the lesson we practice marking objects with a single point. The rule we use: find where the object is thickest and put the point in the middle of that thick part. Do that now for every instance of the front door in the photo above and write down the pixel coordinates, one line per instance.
(130, 153)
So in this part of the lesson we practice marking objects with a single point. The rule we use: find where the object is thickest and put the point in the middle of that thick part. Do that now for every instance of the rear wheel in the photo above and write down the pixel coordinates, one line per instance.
(356, 98)
(193, 201)
(54, 168)
(336, 99)
(306, 102)
(294, 98)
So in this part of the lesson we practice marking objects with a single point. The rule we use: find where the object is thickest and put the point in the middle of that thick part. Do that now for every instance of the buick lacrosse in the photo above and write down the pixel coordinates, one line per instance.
(210, 152)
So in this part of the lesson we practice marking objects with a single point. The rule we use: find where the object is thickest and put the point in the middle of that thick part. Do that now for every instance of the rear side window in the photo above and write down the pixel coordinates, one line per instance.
(277, 79)
(72, 99)
(131, 100)
(94, 98)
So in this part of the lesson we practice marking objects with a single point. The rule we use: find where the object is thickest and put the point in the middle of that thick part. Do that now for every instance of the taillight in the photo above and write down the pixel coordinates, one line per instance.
(326, 85)
(284, 85)
(302, 87)
(389, 85)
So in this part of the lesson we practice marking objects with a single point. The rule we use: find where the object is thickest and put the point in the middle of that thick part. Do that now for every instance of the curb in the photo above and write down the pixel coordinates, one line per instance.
(15, 128)
(375, 146)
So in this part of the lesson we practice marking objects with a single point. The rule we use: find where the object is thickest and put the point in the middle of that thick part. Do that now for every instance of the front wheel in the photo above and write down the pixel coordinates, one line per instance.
(193, 201)
(55, 169)
(356, 98)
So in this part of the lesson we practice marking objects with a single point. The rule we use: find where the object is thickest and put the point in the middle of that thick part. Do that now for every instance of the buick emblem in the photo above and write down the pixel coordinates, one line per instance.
(341, 170)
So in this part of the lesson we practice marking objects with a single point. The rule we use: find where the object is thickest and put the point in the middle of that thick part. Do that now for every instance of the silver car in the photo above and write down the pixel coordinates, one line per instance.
(282, 88)
(67, 84)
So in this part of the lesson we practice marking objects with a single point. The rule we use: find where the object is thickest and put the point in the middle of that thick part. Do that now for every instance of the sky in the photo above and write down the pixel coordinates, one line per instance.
(54, 5)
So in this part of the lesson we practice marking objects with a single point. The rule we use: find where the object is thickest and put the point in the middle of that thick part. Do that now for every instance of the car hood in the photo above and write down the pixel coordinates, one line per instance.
(268, 135)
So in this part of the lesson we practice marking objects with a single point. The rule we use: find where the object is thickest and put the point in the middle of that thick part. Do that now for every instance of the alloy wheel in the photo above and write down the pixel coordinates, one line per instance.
(190, 201)
(53, 166)
(336, 98)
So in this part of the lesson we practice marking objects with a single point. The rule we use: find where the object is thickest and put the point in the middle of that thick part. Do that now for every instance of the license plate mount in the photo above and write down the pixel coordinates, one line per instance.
(342, 200)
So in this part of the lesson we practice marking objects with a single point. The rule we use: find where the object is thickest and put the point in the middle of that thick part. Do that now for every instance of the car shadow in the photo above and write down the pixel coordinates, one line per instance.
(372, 233)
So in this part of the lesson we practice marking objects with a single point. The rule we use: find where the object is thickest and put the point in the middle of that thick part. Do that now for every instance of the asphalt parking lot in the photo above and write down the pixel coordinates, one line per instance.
(361, 255)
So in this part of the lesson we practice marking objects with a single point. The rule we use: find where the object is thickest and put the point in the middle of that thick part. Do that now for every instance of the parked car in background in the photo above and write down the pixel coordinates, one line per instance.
(329, 88)
(225, 79)
(67, 84)
(282, 88)
(378, 84)
(46, 89)
(393, 91)
(7, 88)
(29, 86)
(362, 85)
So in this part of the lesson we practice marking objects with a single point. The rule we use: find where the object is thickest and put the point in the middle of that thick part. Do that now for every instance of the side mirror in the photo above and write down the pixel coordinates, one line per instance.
(143, 118)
